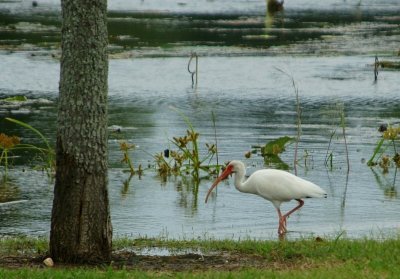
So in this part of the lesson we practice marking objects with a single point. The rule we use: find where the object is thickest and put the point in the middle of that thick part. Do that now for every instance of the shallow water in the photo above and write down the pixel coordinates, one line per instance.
(253, 103)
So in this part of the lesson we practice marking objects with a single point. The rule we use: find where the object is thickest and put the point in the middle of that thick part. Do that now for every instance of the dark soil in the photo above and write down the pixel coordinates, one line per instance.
(129, 260)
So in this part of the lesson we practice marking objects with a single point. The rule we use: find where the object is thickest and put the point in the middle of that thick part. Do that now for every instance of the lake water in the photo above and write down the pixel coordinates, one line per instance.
(327, 47)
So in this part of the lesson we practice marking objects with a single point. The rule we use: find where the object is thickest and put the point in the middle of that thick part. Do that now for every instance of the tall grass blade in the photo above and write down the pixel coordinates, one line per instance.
(376, 151)
(25, 125)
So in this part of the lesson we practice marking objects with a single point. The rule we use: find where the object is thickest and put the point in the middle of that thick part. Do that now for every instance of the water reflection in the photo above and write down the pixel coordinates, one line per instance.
(194, 72)
(125, 186)
(386, 182)
(344, 197)
(253, 104)
(9, 190)
(188, 189)
(274, 20)
(274, 6)
(301, 30)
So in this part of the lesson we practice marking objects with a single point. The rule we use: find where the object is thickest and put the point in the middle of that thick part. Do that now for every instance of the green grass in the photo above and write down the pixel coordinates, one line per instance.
(340, 271)
(338, 249)
(307, 258)
(14, 246)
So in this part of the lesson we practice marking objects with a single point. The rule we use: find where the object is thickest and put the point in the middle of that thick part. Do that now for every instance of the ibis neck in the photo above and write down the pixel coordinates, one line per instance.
(239, 181)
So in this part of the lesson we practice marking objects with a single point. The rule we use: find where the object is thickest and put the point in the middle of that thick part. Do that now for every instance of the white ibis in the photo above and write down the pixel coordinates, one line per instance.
(276, 186)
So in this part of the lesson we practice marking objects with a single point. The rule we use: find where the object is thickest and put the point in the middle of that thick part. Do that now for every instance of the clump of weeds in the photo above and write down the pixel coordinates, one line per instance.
(186, 157)
(385, 153)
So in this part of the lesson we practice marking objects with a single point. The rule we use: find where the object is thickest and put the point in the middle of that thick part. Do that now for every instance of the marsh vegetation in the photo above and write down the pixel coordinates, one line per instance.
(331, 123)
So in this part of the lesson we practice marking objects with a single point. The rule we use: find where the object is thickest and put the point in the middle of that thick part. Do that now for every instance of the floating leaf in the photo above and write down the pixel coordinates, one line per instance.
(16, 99)
(275, 147)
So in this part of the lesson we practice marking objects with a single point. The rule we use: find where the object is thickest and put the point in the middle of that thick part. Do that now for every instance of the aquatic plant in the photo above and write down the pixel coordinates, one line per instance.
(186, 158)
(337, 114)
(271, 151)
(390, 137)
(12, 143)
(7, 144)
(329, 153)
(125, 147)
(18, 98)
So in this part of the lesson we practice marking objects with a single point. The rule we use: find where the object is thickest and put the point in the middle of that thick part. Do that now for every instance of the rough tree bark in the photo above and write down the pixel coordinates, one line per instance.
(80, 225)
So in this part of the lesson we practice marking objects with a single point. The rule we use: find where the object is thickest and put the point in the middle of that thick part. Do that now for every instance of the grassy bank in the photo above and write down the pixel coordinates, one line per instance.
(310, 258)
(344, 271)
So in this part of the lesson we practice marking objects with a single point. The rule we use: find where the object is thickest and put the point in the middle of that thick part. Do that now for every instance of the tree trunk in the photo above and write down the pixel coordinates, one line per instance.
(80, 225)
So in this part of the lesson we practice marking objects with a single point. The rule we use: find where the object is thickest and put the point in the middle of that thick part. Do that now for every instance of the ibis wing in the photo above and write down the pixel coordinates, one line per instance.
(277, 185)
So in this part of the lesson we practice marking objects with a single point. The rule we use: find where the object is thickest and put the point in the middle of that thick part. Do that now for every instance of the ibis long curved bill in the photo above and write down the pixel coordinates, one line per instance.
(224, 175)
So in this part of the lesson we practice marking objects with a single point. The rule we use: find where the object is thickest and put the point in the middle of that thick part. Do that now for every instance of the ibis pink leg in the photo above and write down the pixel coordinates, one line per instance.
(282, 218)
(282, 223)
(301, 203)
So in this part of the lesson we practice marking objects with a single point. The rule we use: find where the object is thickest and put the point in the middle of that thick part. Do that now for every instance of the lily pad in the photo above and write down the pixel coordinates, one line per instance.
(275, 147)
(16, 99)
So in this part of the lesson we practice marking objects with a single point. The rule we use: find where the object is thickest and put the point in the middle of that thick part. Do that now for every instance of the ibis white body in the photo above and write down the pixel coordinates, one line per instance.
(276, 186)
